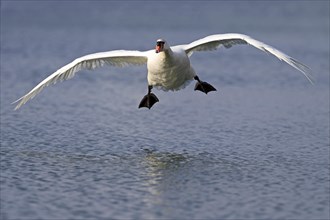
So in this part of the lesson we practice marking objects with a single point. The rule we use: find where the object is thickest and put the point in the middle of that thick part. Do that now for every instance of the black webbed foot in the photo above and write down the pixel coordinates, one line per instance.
(148, 100)
(203, 86)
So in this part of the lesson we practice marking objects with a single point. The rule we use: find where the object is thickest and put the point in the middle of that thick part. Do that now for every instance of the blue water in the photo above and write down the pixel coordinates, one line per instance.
(258, 148)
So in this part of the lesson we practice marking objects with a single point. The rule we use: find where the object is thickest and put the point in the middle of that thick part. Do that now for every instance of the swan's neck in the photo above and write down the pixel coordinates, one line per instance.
(168, 52)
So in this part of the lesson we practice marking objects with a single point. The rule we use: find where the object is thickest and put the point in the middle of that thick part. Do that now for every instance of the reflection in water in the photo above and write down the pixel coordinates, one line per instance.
(164, 172)
(183, 183)
(161, 166)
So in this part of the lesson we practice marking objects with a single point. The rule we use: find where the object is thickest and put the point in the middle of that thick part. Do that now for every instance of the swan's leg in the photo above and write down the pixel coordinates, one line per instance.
(148, 100)
(203, 86)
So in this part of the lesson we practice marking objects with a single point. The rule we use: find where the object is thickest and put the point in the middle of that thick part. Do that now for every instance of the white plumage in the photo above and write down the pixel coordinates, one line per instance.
(168, 68)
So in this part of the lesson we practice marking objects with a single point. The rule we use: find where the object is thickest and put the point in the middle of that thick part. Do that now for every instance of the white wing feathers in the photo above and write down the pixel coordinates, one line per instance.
(115, 58)
(124, 57)
(213, 42)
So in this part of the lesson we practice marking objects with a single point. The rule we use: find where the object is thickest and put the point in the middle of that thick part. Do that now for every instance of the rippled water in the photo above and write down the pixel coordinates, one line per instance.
(257, 148)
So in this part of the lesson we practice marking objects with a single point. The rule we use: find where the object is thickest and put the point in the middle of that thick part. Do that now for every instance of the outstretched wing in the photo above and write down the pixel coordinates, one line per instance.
(213, 42)
(116, 58)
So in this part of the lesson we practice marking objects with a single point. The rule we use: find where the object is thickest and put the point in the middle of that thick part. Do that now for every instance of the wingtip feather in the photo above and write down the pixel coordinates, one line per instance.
(305, 70)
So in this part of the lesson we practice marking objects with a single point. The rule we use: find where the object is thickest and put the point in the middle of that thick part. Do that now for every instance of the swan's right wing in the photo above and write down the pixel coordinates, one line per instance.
(115, 58)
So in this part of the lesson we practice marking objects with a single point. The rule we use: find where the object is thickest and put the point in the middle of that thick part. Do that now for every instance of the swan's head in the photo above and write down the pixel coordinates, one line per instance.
(161, 45)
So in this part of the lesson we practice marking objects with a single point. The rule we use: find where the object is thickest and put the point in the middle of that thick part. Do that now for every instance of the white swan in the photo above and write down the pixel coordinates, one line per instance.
(168, 67)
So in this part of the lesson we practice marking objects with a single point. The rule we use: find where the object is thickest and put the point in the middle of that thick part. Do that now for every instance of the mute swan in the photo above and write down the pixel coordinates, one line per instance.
(168, 67)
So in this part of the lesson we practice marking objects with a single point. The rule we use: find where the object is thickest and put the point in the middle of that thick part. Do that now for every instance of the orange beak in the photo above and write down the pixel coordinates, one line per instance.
(158, 48)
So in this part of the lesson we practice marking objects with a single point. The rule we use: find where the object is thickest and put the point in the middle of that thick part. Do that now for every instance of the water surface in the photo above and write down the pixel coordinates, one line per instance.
(257, 148)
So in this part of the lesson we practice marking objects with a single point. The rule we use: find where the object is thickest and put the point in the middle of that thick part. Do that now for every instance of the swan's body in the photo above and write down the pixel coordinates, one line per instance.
(170, 70)
(168, 67)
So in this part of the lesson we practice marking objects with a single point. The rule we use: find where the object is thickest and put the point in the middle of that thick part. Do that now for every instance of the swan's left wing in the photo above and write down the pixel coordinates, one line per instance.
(213, 42)
(115, 58)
